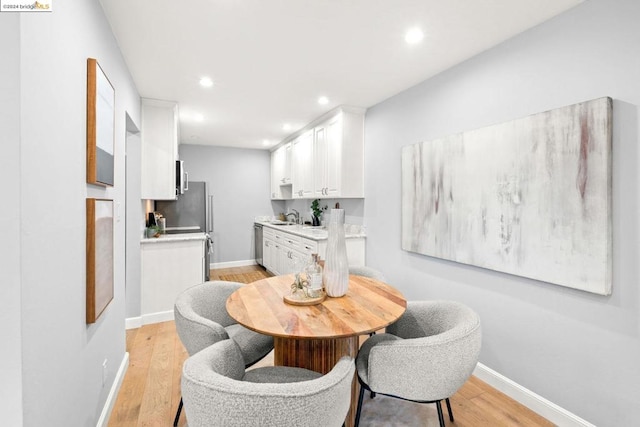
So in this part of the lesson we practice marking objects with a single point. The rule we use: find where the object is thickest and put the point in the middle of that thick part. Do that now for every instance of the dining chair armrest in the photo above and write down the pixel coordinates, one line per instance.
(196, 332)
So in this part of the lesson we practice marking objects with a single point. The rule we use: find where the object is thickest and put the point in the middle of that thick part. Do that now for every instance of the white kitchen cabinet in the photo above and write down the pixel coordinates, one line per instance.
(285, 162)
(159, 149)
(168, 268)
(290, 258)
(327, 159)
(275, 186)
(269, 250)
(287, 253)
(339, 156)
(281, 172)
(302, 166)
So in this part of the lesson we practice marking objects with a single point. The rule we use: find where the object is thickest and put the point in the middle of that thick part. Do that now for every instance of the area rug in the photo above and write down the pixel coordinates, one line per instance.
(383, 411)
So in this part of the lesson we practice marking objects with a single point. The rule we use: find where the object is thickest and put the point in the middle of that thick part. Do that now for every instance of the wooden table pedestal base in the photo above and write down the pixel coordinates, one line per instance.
(318, 355)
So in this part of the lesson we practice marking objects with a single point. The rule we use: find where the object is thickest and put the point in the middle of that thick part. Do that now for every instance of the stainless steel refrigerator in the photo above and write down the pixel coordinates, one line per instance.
(192, 212)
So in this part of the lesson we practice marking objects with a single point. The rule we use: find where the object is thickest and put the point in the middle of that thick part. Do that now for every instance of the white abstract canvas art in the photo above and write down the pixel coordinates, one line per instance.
(530, 197)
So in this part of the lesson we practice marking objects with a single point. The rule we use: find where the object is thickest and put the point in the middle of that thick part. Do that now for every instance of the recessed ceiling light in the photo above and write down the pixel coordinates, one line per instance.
(414, 35)
(198, 117)
(286, 127)
(323, 100)
(265, 142)
(206, 82)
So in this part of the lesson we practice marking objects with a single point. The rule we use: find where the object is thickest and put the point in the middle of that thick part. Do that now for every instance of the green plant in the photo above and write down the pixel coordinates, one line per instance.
(153, 231)
(317, 209)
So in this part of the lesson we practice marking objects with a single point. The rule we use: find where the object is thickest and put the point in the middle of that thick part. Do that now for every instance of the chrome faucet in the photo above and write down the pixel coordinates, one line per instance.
(295, 214)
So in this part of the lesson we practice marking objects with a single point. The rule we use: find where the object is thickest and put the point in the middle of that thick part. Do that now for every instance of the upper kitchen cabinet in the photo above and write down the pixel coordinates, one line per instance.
(302, 155)
(328, 156)
(339, 156)
(281, 172)
(159, 149)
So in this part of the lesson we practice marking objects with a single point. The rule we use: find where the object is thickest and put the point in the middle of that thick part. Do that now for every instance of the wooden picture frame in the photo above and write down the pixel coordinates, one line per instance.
(100, 126)
(99, 257)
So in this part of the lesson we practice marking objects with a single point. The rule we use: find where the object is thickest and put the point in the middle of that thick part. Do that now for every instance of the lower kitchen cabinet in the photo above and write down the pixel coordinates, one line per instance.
(287, 253)
(169, 267)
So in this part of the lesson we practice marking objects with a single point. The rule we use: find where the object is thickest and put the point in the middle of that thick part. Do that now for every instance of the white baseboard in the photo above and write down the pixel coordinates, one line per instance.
(103, 421)
(132, 322)
(147, 319)
(549, 410)
(161, 316)
(233, 264)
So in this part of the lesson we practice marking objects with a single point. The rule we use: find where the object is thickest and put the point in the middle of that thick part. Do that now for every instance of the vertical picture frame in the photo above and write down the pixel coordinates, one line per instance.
(100, 126)
(99, 257)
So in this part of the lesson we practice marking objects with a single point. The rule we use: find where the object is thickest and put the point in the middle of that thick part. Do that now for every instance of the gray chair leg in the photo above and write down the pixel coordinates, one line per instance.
(175, 421)
(440, 416)
(449, 409)
(359, 410)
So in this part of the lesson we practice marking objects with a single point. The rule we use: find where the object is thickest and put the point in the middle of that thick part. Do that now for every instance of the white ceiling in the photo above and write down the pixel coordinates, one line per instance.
(270, 60)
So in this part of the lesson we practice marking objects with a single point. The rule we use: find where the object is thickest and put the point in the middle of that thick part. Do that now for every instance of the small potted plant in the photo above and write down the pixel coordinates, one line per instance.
(316, 211)
(153, 231)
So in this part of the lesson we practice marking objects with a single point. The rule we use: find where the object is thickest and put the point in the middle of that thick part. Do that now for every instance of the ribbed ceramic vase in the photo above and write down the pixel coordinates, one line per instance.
(336, 265)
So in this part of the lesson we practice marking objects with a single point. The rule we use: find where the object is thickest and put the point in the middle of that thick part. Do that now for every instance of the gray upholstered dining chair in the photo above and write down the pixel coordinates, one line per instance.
(201, 320)
(218, 391)
(424, 357)
(361, 270)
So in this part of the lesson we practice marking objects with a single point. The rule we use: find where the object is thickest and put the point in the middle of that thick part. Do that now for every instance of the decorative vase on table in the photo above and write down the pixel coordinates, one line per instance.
(336, 264)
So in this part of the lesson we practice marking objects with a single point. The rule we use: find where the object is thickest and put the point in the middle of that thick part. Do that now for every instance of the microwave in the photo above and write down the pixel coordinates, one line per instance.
(182, 178)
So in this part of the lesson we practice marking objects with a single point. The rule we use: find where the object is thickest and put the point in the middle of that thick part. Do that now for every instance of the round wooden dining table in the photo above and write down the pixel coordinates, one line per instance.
(316, 336)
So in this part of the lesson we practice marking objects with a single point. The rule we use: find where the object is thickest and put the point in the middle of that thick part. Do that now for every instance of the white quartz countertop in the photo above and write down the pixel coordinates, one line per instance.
(179, 237)
(314, 233)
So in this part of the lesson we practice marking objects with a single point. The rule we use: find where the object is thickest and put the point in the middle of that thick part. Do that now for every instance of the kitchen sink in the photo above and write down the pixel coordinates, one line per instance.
(279, 223)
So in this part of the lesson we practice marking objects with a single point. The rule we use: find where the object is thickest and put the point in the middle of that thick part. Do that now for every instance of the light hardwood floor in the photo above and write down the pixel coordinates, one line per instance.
(150, 392)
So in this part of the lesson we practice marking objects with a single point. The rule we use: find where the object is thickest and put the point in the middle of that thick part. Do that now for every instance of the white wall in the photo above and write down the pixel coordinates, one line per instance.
(135, 222)
(579, 350)
(10, 282)
(62, 356)
(238, 180)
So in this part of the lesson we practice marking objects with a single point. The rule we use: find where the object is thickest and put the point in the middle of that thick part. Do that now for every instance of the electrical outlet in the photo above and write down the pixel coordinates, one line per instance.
(105, 371)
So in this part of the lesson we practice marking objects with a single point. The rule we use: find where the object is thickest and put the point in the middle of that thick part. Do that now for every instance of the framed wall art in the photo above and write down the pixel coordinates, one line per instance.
(99, 257)
(530, 197)
(100, 126)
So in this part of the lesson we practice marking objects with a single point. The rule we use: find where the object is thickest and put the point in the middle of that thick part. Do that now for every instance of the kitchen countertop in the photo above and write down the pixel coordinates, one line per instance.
(180, 237)
(314, 233)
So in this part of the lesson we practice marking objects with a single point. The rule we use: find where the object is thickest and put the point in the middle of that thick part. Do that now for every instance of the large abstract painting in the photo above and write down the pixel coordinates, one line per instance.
(530, 197)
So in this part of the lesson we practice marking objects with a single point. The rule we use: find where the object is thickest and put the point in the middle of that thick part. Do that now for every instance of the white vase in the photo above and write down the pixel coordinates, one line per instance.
(336, 265)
